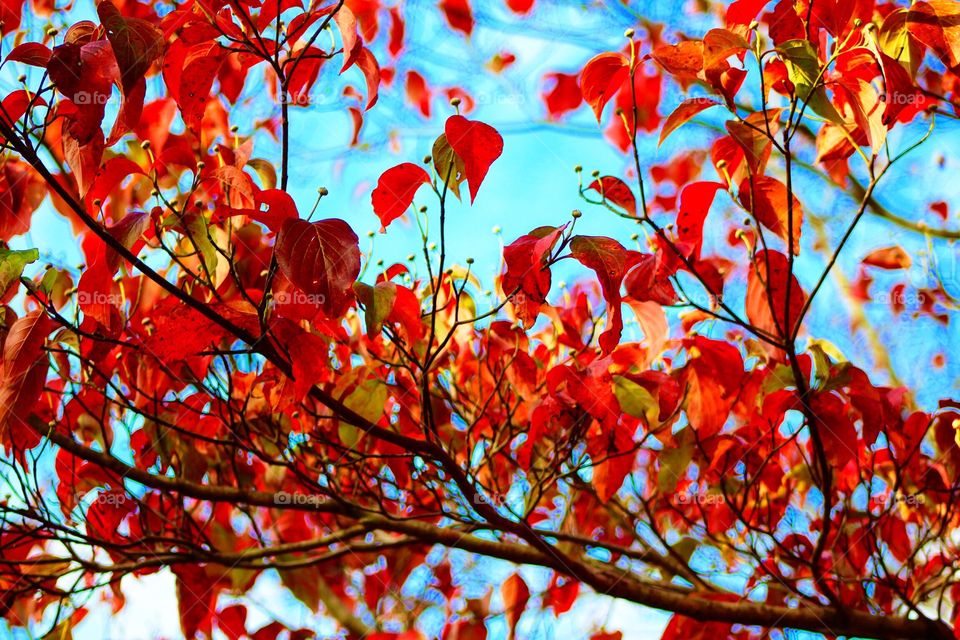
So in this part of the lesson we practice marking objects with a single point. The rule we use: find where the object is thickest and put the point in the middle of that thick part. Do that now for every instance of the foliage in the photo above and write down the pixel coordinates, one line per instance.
(228, 389)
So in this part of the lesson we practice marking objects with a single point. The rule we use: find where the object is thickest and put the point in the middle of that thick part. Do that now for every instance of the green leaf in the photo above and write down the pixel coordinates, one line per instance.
(266, 172)
(685, 548)
(55, 284)
(803, 69)
(675, 460)
(377, 302)
(449, 165)
(12, 263)
(780, 378)
(821, 364)
(367, 400)
(198, 238)
(636, 401)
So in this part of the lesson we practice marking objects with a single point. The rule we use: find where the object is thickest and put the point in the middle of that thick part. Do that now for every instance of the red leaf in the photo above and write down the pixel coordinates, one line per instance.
(712, 378)
(31, 53)
(561, 94)
(527, 280)
(195, 79)
(458, 15)
(771, 207)
(646, 89)
(888, 258)
(521, 7)
(180, 332)
(347, 24)
(85, 75)
(114, 171)
(613, 448)
(683, 114)
(601, 78)
(650, 280)
(21, 192)
(900, 92)
(684, 628)
(766, 288)
(837, 431)
(610, 261)
(743, 12)
(15, 105)
(371, 72)
(322, 259)
(477, 144)
(279, 207)
(98, 294)
(395, 191)
(695, 202)
(561, 594)
(418, 93)
(395, 46)
(10, 16)
(718, 45)
(294, 339)
(515, 594)
(465, 630)
(136, 43)
(232, 621)
(24, 369)
(616, 191)
(196, 597)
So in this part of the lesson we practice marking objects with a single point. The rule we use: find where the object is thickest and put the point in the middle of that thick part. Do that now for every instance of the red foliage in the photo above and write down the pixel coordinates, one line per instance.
(226, 388)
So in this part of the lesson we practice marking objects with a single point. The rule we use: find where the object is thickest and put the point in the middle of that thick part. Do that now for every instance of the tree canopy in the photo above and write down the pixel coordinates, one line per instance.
(235, 389)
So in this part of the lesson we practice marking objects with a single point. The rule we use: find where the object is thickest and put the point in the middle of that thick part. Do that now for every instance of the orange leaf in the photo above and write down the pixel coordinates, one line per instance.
(771, 208)
(24, 368)
(683, 114)
(515, 596)
(767, 294)
(888, 258)
(602, 77)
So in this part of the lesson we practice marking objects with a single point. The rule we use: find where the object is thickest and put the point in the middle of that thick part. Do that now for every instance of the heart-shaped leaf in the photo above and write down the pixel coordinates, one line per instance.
(322, 259)
(395, 191)
(477, 144)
